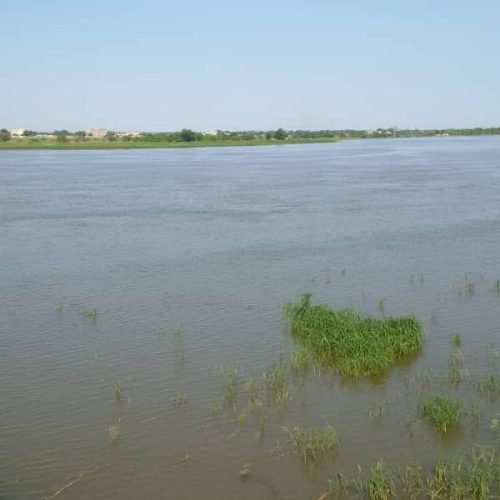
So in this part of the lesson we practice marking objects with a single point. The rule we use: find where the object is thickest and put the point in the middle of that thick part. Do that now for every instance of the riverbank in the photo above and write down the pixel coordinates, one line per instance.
(34, 144)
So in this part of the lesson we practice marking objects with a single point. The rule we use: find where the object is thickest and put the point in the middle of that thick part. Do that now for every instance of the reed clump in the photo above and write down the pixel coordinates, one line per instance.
(355, 345)
(313, 444)
(472, 476)
(490, 386)
(443, 412)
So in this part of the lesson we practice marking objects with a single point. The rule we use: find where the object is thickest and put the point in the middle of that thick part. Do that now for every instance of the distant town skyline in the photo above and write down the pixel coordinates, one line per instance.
(164, 66)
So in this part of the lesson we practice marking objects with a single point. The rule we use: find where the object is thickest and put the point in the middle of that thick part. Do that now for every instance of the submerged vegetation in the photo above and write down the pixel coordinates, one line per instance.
(474, 476)
(490, 385)
(114, 433)
(118, 390)
(90, 314)
(355, 345)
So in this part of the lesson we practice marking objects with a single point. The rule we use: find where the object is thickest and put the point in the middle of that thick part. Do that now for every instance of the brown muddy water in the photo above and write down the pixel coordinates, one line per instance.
(188, 257)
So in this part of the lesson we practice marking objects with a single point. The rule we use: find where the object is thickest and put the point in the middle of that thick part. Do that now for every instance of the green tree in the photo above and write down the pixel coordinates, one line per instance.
(269, 136)
(4, 135)
(62, 138)
(187, 135)
(280, 135)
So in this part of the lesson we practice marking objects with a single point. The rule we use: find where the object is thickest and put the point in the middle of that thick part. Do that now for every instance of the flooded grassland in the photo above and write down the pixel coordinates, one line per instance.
(156, 341)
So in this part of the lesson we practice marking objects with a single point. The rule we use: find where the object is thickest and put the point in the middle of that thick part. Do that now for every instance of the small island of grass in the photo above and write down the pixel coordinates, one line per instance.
(354, 345)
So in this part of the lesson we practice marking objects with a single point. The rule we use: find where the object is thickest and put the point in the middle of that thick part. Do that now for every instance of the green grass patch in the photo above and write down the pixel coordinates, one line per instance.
(355, 345)
(313, 444)
(52, 144)
(443, 412)
(490, 385)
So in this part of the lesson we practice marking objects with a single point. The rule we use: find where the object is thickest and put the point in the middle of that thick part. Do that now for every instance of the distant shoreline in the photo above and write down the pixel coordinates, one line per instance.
(100, 144)
(51, 145)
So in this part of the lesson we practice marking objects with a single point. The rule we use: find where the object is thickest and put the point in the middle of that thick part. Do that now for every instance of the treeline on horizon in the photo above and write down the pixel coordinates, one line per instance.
(188, 135)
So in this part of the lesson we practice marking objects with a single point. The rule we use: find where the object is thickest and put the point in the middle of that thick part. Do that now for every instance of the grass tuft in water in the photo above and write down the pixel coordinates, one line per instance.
(90, 313)
(118, 390)
(455, 366)
(355, 345)
(481, 471)
(276, 383)
(412, 480)
(300, 361)
(114, 433)
(457, 339)
(490, 386)
(313, 444)
(180, 398)
(380, 483)
(443, 412)
(179, 331)
(229, 376)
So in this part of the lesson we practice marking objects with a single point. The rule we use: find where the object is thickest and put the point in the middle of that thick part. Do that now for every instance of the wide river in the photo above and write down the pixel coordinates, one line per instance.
(150, 268)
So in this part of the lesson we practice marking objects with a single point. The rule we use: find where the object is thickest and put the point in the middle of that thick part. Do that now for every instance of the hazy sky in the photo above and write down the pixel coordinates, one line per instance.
(207, 64)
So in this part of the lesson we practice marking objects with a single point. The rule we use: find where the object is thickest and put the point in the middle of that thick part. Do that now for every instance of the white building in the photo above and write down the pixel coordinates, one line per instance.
(133, 133)
(96, 132)
(17, 132)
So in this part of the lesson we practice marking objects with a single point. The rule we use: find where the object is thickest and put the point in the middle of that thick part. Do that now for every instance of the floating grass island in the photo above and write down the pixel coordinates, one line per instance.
(353, 344)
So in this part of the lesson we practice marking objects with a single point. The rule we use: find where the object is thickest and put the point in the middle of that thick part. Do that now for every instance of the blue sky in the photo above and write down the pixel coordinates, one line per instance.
(161, 65)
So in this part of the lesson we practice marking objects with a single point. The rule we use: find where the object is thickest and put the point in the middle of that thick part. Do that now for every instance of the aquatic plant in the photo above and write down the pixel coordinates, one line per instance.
(118, 390)
(472, 476)
(180, 398)
(416, 277)
(470, 287)
(355, 345)
(381, 305)
(412, 480)
(443, 412)
(380, 483)
(311, 445)
(277, 385)
(490, 385)
(413, 425)
(455, 365)
(457, 339)
(89, 313)
(114, 433)
(271, 386)
(179, 331)
(229, 376)
(300, 360)
(446, 482)
(481, 471)
(337, 487)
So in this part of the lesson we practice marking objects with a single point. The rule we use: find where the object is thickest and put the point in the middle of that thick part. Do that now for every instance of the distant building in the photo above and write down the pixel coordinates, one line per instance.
(17, 132)
(96, 132)
(133, 133)
(211, 132)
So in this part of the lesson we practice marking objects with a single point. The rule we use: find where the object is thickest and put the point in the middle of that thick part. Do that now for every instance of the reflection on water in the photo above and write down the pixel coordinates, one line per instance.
(150, 269)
